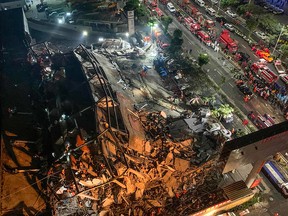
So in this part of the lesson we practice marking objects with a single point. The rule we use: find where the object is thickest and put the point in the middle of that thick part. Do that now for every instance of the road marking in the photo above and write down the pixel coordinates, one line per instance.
(231, 85)
(243, 46)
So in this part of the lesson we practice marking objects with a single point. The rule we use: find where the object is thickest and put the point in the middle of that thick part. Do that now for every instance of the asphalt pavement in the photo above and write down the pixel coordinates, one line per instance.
(216, 70)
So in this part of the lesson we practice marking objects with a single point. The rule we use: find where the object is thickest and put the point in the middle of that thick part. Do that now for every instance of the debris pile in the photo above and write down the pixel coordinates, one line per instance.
(132, 163)
(120, 180)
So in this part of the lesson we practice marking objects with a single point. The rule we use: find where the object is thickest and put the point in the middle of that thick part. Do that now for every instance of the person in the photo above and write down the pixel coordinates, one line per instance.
(246, 98)
(245, 122)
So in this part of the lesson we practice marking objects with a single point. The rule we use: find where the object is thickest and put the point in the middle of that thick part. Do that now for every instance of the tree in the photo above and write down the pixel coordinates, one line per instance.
(227, 3)
(252, 25)
(224, 111)
(284, 51)
(203, 59)
(167, 20)
(176, 43)
(268, 22)
(250, 10)
(135, 5)
(151, 22)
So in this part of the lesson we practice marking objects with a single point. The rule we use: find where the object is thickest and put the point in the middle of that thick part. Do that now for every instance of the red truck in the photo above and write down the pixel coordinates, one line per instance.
(284, 78)
(227, 42)
(209, 24)
(264, 72)
(194, 27)
(204, 37)
(191, 24)
(188, 21)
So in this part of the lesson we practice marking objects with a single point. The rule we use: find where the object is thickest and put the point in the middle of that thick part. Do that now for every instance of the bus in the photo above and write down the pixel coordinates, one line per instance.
(272, 172)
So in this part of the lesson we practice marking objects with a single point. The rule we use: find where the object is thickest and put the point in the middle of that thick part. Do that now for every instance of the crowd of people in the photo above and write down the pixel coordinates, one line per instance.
(276, 94)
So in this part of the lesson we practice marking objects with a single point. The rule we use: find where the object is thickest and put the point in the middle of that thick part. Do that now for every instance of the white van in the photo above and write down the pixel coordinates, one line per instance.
(171, 7)
(211, 11)
(201, 3)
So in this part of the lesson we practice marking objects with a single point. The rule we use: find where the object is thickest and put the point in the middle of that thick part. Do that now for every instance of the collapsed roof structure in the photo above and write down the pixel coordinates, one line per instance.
(112, 159)
(130, 162)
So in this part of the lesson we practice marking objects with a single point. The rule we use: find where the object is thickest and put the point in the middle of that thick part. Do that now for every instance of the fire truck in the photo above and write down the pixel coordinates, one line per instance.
(188, 21)
(261, 121)
(260, 69)
(191, 24)
(227, 42)
(204, 37)
(264, 54)
(284, 78)
(209, 24)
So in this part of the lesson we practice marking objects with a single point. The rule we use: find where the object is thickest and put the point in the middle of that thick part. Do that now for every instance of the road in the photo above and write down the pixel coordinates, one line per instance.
(216, 70)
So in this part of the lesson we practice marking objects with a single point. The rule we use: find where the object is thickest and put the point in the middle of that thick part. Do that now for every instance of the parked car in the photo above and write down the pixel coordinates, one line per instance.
(231, 13)
(230, 27)
(214, 1)
(261, 35)
(171, 7)
(278, 11)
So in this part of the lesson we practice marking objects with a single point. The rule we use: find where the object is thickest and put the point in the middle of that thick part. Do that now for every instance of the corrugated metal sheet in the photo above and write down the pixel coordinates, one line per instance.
(237, 190)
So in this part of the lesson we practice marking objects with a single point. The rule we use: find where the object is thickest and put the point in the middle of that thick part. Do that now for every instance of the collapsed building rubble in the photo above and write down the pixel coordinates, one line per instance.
(134, 163)
(111, 158)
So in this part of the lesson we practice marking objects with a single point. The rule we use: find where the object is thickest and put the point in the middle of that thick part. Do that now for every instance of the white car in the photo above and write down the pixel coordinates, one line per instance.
(171, 7)
(231, 13)
(214, 1)
(229, 27)
(261, 35)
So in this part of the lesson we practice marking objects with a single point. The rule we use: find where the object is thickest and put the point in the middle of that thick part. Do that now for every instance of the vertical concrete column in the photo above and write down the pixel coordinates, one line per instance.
(257, 166)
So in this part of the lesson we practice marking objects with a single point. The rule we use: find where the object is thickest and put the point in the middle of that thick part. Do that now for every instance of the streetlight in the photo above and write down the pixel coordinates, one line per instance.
(85, 34)
(127, 34)
(281, 32)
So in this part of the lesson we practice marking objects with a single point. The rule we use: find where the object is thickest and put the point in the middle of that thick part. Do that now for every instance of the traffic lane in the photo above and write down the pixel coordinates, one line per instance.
(229, 88)
(256, 104)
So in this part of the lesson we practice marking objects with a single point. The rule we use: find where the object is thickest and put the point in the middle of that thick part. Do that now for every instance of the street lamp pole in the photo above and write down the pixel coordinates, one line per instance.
(281, 32)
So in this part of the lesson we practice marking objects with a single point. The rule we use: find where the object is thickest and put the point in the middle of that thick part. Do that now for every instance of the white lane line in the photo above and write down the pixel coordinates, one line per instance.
(231, 85)
(219, 72)
(243, 46)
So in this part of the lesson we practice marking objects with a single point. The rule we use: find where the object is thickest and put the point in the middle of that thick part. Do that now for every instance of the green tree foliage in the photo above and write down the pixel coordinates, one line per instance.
(256, 16)
(135, 5)
(151, 22)
(203, 59)
(268, 22)
(284, 51)
(251, 9)
(252, 25)
(227, 3)
(176, 43)
(167, 20)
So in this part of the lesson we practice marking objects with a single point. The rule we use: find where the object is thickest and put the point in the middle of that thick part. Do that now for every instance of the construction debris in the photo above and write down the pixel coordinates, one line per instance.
(134, 163)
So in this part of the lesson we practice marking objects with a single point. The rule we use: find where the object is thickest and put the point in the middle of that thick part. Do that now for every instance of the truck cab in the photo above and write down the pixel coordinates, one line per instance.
(226, 41)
